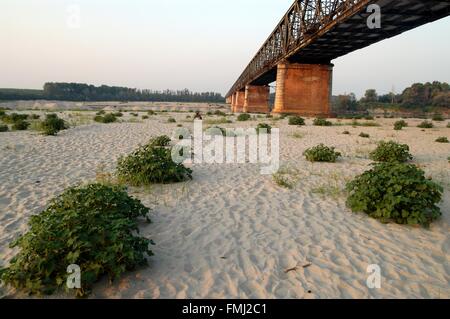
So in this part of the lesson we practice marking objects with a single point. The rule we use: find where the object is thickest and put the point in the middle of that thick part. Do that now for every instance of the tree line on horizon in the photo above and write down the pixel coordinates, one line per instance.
(79, 92)
(417, 97)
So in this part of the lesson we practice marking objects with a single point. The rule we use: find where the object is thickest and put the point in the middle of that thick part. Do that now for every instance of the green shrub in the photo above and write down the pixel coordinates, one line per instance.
(296, 120)
(108, 118)
(426, 124)
(152, 164)
(442, 139)
(151, 112)
(369, 118)
(160, 141)
(438, 117)
(346, 133)
(364, 135)
(448, 125)
(395, 192)
(20, 125)
(145, 117)
(35, 117)
(93, 227)
(322, 122)
(171, 120)
(391, 152)
(52, 125)
(14, 118)
(243, 117)
(322, 153)
(220, 113)
(263, 127)
(100, 113)
(134, 114)
(2, 113)
(118, 114)
(4, 128)
(399, 125)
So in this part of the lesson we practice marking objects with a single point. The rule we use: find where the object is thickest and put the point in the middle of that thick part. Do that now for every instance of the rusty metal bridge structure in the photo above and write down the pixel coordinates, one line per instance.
(298, 53)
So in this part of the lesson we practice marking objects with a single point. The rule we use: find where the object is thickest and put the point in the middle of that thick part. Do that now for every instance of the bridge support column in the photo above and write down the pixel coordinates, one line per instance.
(304, 89)
(228, 100)
(256, 99)
(239, 100)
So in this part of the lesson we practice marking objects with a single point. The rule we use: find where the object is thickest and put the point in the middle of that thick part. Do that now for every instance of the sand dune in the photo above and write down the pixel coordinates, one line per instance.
(233, 233)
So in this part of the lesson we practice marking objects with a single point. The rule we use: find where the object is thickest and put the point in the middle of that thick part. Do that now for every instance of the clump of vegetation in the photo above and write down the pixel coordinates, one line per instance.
(346, 133)
(151, 112)
(448, 125)
(21, 125)
(364, 135)
(369, 118)
(396, 192)
(134, 114)
(399, 125)
(438, 117)
(4, 128)
(367, 124)
(152, 164)
(93, 227)
(264, 128)
(35, 117)
(118, 114)
(286, 177)
(145, 117)
(269, 116)
(14, 118)
(322, 153)
(53, 124)
(391, 152)
(296, 120)
(106, 119)
(171, 120)
(322, 122)
(220, 113)
(2, 113)
(100, 113)
(442, 139)
(243, 117)
(426, 124)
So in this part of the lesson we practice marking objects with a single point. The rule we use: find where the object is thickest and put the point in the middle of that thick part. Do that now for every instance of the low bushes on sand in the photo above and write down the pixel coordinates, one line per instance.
(94, 227)
(426, 124)
(322, 153)
(145, 117)
(53, 124)
(346, 133)
(438, 117)
(118, 114)
(296, 120)
(391, 152)
(399, 125)
(442, 139)
(4, 128)
(219, 113)
(14, 118)
(243, 117)
(152, 164)
(21, 125)
(264, 128)
(322, 122)
(151, 112)
(105, 119)
(396, 192)
(171, 120)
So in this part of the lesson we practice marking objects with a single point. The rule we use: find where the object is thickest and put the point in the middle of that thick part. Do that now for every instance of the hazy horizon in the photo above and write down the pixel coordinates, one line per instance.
(199, 45)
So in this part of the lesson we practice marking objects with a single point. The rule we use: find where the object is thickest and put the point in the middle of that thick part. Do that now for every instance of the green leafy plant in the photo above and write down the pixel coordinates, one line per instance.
(438, 117)
(220, 113)
(118, 114)
(442, 139)
(20, 125)
(160, 141)
(264, 127)
(145, 117)
(346, 133)
(364, 135)
(395, 192)
(243, 117)
(151, 112)
(426, 124)
(322, 153)
(106, 119)
(399, 125)
(35, 117)
(93, 226)
(171, 120)
(391, 152)
(152, 164)
(322, 122)
(52, 125)
(102, 112)
(296, 120)
(14, 118)
(4, 128)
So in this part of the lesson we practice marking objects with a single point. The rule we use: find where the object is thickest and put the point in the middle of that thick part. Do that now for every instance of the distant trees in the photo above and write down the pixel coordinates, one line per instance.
(428, 94)
(84, 92)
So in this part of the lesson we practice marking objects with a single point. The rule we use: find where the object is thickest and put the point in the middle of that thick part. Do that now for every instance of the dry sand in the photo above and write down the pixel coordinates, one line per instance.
(233, 233)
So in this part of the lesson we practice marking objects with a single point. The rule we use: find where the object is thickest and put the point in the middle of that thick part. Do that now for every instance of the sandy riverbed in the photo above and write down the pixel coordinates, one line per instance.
(232, 232)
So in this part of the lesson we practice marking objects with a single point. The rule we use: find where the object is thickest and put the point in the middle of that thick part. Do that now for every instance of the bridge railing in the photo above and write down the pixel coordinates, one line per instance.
(302, 22)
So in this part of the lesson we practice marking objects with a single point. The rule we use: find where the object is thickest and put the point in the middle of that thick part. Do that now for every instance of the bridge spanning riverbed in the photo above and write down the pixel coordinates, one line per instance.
(298, 53)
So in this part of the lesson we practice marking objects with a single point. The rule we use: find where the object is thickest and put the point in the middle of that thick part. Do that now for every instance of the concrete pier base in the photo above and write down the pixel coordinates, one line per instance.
(256, 99)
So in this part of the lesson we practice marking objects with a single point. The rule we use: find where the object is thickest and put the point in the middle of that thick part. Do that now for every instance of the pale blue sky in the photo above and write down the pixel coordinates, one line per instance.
(202, 45)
